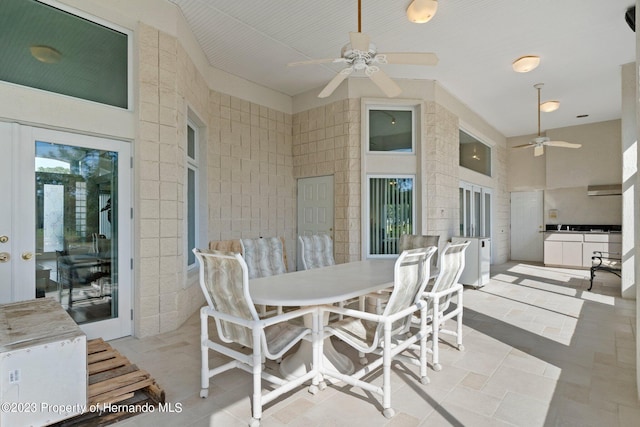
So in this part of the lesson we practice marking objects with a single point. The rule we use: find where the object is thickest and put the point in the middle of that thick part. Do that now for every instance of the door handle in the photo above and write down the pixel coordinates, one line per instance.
(4, 257)
(27, 256)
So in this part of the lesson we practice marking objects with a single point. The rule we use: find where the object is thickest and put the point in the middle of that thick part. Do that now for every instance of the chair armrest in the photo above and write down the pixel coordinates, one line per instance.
(226, 317)
(371, 316)
(604, 254)
(453, 289)
(351, 312)
(268, 321)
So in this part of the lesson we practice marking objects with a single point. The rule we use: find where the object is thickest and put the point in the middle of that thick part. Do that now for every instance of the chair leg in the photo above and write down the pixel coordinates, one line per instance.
(387, 411)
(424, 379)
(204, 349)
(435, 326)
(362, 307)
(459, 321)
(257, 379)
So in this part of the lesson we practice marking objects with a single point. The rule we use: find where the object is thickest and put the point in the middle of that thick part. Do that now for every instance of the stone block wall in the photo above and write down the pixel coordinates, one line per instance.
(251, 190)
(326, 141)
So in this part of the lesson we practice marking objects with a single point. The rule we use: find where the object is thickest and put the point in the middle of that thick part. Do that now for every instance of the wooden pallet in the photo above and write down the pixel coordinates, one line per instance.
(113, 380)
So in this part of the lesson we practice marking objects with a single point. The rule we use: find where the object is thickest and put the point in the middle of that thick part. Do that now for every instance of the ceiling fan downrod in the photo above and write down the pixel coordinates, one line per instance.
(538, 86)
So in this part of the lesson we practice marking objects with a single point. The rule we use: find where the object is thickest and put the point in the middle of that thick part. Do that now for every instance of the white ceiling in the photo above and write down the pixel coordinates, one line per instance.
(582, 44)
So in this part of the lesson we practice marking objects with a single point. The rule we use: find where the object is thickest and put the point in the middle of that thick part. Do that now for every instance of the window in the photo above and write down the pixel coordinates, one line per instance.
(474, 154)
(53, 50)
(391, 213)
(192, 198)
(390, 172)
(390, 130)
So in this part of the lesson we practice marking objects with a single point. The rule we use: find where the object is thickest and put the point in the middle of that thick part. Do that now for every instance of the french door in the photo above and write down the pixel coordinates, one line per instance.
(475, 210)
(65, 225)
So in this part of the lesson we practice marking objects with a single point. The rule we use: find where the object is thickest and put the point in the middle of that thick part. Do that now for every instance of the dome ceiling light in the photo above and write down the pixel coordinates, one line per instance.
(46, 54)
(524, 64)
(549, 106)
(421, 11)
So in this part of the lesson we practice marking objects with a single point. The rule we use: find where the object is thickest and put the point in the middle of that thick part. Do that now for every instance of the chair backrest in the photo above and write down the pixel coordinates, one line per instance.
(316, 251)
(224, 282)
(451, 266)
(415, 241)
(410, 277)
(264, 256)
(233, 245)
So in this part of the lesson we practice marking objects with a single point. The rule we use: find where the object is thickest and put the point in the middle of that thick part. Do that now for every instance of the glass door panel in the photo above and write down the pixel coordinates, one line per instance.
(77, 229)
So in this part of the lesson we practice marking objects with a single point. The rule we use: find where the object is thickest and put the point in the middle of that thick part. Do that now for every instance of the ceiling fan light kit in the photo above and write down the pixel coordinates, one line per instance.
(540, 141)
(549, 106)
(421, 11)
(524, 64)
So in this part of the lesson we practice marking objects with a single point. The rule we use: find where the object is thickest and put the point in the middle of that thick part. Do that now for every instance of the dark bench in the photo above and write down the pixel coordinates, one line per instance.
(605, 261)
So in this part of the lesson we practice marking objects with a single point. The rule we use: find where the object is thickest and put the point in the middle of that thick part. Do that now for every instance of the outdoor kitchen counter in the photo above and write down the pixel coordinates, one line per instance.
(574, 249)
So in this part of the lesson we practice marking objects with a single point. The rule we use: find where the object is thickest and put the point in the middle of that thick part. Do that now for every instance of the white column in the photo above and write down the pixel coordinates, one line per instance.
(629, 180)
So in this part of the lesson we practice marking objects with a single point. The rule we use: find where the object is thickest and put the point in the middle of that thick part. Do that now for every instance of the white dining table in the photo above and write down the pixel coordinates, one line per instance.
(326, 285)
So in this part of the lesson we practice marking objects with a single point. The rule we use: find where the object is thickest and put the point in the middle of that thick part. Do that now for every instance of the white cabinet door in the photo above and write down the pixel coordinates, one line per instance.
(553, 253)
(572, 254)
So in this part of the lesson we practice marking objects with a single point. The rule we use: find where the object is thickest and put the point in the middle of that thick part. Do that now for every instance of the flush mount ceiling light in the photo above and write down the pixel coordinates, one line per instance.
(524, 64)
(46, 54)
(549, 106)
(421, 11)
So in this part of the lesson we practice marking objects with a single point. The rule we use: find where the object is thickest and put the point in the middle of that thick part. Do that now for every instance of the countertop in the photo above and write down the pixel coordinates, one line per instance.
(580, 232)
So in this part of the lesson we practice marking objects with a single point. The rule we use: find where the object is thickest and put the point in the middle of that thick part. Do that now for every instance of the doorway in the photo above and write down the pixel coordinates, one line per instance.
(315, 207)
(66, 232)
(526, 226)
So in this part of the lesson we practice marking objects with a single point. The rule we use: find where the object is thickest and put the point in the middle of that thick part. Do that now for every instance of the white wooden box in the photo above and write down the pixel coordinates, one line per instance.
(43, 364)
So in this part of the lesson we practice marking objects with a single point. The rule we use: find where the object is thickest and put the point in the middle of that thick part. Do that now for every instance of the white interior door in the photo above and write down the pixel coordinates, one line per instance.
(526, 226)
(315, 206)
(65, 233)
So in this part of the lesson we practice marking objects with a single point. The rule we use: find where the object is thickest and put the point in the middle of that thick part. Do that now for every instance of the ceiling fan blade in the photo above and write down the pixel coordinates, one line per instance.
(410, 58)
(315, 61)
(359, 41)
(562, 144)
(524, 146)
(538, 151)
(335, 82)
(383, 81)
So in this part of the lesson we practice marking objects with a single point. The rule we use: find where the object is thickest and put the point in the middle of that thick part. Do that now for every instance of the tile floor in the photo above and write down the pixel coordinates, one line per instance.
(539, 351)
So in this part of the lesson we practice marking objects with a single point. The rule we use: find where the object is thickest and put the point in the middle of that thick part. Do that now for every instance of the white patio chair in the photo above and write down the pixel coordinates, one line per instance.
(415, 241)
(316, 251)
(385, 335)
(264, 257)
(438, 297)
(225, 284)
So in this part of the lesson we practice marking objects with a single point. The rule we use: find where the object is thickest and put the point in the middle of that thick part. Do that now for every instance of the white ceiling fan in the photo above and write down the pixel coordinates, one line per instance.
(539, 142)
(361, 55)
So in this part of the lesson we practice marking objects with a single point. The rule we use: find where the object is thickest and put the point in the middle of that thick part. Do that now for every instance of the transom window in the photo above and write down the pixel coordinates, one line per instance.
(474, 154)
(390, 130)
(50, 49)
